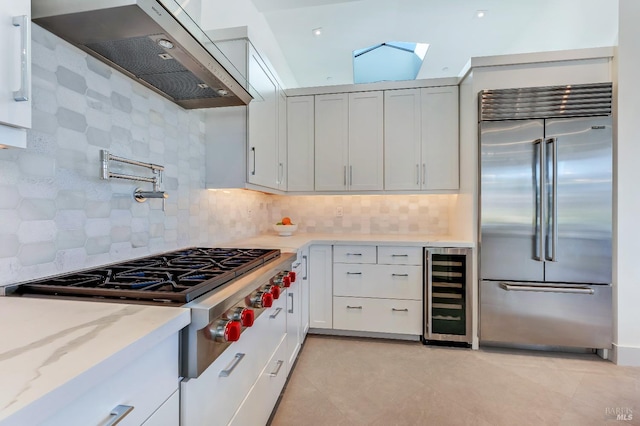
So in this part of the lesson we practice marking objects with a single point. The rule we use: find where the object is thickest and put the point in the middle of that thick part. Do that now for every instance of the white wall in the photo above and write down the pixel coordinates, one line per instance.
(627, 238)
(218, 15)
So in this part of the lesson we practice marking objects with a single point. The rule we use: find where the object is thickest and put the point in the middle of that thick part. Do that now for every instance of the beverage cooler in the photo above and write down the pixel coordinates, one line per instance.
(447, 296)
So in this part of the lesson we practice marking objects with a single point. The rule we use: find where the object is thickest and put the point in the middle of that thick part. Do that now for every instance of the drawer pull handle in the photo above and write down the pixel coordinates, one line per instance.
(354, 273)
(547, 289)
(119, 413)
(400, 310)
(354, 307)
(354, 254)
(399, 275)
(278, 310)
(234, 363)
(277, 370)
(290, 311)
(399, 255)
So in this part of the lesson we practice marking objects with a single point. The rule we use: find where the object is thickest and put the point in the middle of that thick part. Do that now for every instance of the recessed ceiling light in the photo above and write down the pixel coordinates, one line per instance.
(317, 31)
(481, 13)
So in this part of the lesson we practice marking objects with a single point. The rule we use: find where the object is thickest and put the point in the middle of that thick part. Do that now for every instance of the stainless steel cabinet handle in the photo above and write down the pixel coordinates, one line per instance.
(295, 265)
(546, 288)
(22, 21)
(118, 414)
(291, 310)
(277, 370)
(354, 273)
(280, 173)
(424, 173)
(354, 307)
(253, 151)
(278, 310)
(306, 267)
(399, 255)
(399, 275)
(354, 254)
(539, 201)
(400, 310)
(232, 366)
(553, 208)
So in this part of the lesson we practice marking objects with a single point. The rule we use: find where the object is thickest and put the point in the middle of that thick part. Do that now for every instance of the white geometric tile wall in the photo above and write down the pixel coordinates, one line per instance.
(57, 215)
(367, 214)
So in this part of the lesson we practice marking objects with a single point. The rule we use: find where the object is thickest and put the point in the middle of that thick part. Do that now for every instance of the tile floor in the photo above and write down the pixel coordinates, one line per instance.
(353, 381)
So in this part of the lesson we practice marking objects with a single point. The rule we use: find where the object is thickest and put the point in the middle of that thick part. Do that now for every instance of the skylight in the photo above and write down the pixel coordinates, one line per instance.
(390, 61)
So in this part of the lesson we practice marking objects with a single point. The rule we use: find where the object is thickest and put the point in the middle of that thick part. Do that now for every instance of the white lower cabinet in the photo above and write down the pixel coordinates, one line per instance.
(145, 385)
(168, 414)
(320, 287)
(377, 315)
(259, 403)
(377, 289)
(214, 397)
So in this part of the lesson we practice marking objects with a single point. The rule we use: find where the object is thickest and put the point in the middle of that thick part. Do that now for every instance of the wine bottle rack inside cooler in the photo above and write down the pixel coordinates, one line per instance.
(448, 301)
(447, 295)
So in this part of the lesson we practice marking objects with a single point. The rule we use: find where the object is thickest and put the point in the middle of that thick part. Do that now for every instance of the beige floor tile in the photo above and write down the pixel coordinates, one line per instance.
(340, 381)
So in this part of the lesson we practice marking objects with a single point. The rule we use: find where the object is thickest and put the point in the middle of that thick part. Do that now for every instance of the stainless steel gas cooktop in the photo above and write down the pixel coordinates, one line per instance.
(172, 278)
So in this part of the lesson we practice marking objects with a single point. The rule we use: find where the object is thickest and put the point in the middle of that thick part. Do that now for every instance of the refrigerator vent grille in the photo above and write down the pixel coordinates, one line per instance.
(582, 100)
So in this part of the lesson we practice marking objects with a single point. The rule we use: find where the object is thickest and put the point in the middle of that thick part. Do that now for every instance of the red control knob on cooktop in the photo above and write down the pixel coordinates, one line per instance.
(232, 331)
(247, 316)
(286, 281)
(267, 300)
(275, 291)
(292, 275)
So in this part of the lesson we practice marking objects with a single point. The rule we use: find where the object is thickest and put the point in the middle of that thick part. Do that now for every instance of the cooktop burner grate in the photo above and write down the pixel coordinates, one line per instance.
(174, 277)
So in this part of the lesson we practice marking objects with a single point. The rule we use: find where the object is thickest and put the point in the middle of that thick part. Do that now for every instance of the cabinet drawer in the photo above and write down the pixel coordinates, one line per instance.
(212, 398)
(354, 254)
(377, 315)
(396, 255)
(382, 281)
(145, 385)
(168, 414)
(258, 405)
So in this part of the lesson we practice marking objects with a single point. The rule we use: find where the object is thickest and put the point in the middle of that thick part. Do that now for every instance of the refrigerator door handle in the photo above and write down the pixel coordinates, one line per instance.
(552, 214)
(547, 288)
(539, 210)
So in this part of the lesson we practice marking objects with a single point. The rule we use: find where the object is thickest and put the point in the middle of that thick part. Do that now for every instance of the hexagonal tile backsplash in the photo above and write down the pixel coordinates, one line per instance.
(57, 215)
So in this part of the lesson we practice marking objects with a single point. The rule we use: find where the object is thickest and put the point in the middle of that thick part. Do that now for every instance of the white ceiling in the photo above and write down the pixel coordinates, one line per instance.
(449, 26)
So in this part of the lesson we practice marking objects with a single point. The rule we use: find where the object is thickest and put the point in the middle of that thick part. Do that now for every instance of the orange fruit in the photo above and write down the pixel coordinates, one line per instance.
(286, 221)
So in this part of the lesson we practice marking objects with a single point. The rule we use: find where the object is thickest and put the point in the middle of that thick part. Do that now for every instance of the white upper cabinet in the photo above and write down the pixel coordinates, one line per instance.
(331, 142)
(300, 157)
(349, 142)
(366, 139)
(282, 165)
(263, 124)
(440, 138)
(402, 140)
(421, 139)
(15, 72)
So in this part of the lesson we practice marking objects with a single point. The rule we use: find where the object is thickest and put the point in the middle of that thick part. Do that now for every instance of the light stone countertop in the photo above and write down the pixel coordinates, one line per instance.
(53, 351)
(299, 240)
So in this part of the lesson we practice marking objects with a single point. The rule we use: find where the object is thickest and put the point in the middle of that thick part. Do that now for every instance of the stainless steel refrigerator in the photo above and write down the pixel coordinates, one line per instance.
(546, 216)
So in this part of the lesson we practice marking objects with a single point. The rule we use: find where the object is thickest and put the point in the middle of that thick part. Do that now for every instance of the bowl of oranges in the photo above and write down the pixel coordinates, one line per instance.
(285, 228)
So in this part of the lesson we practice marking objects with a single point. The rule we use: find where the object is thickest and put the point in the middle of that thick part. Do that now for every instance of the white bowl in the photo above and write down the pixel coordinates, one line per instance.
(285, 230)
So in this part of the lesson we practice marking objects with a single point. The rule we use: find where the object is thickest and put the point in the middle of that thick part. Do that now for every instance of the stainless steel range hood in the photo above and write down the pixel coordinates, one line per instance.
(153, 41)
